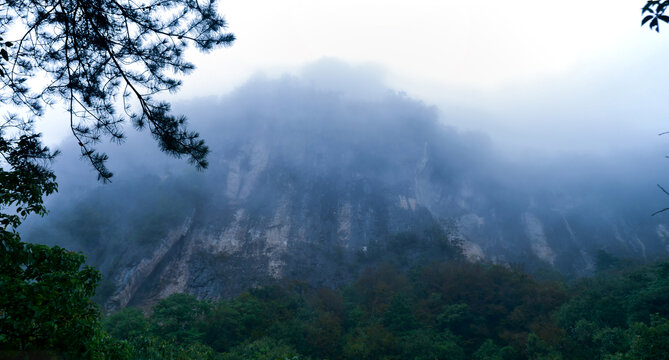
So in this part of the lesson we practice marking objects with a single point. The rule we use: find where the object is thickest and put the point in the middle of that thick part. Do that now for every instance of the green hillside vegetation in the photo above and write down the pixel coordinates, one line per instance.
(439, 311)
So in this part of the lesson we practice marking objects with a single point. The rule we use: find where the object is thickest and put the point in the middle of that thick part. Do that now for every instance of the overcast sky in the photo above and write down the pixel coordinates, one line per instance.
(480, 45)
(568, 75)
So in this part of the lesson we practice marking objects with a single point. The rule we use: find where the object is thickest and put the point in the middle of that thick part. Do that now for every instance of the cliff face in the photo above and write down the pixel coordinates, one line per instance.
(312, 185)
(269, 220)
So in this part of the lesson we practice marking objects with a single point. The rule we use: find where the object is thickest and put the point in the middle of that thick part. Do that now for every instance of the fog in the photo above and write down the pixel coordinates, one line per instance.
(303, 145)
(513, 70)
(558, 130)
(455, 179)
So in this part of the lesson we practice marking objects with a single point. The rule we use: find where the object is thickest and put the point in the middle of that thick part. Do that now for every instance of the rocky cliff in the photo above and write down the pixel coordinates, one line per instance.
(311, 184)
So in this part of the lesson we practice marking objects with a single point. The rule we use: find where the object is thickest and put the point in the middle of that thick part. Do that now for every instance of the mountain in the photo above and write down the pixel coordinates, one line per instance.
(316, 182)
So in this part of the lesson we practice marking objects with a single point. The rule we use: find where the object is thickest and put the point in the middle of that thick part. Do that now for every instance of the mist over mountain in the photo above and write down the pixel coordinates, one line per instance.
(316, 176)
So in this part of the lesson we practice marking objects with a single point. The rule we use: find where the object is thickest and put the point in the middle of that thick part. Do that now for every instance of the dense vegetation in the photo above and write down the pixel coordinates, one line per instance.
(438, 311)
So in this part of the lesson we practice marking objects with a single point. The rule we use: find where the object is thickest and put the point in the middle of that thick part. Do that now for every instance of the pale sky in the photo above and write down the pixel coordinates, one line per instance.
(518, 69)
(480, 45)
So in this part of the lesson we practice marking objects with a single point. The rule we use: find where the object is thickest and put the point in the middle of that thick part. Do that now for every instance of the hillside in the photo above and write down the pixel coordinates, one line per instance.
(316, 183)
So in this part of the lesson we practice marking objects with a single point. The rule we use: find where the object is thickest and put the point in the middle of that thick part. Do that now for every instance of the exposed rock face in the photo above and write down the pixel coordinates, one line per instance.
(130, 279)
(534, 231)
(311, 185)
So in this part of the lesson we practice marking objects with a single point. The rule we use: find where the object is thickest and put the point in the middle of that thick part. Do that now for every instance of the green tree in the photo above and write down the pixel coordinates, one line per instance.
(488, 351)
(223, 328)
(324, 336)
(45, 298)
(371, 342)
(90, 54)
(44, 292)
(649, 342)
(127, 323)
(399, 317)
(425, 344)
(148, 347)
(179, 317)
(262, 349)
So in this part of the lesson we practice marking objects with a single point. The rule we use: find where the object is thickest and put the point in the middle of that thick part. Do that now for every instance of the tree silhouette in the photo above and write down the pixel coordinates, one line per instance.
(107, 59)
(654, 13)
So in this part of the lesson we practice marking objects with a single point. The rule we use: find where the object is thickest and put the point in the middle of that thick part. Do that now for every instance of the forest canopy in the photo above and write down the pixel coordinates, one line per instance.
(436, 311)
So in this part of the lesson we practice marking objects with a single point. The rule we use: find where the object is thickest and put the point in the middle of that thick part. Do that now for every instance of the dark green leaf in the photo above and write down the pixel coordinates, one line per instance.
(654, 25)
(646, 19)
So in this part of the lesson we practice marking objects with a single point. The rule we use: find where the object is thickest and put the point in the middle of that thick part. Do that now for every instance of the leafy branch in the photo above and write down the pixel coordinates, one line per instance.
(91, 50)
(655, 13)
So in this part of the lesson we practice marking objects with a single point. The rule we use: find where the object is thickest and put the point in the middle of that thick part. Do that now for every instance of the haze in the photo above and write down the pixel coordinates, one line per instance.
(300, 152)
(547, 77)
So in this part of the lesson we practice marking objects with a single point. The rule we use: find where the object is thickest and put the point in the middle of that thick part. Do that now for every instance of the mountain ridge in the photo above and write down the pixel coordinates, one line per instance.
(310, 184)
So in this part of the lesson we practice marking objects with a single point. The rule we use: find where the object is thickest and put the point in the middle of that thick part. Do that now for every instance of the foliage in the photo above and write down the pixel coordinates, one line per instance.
(177, 318)
(45, 302)
(26, 177)
(384, 314)
(649, 341)
(262, 349)
(426, 344)
(92, 53)
(45, 297)
(126, 324)
(654, 13)
(609, 316)
(156, 348)
(438, 311)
